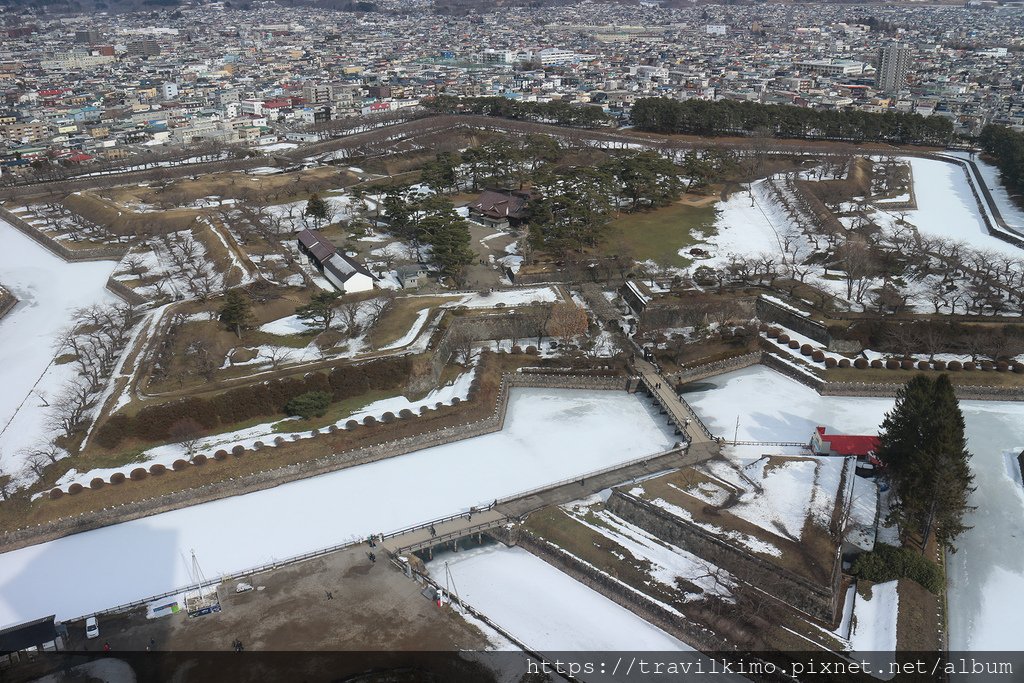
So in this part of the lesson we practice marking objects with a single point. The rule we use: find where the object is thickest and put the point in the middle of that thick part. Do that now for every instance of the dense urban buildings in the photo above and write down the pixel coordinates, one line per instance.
(109, 85)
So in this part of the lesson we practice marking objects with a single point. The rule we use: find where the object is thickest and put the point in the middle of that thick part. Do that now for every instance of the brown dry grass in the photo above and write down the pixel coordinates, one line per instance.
(917, 626)
(121, 221)
(811, 557)
(400, 315)
(974, 378)
(235, 185)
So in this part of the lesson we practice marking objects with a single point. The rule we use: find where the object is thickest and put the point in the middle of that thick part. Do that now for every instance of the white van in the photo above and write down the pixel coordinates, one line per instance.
(92, 628)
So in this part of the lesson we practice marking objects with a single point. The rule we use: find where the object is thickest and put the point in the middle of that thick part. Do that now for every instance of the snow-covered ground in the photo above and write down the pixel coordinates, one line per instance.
(549, 436)
(986, 576)
(547, 610)
(511, 297)
(48, 289)
(1011, 212)
(742, 228)
(946, 206)
(291, 324)
(874, 620)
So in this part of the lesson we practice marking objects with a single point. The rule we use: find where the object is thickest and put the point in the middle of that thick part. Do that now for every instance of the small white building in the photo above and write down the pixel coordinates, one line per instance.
(347, 274)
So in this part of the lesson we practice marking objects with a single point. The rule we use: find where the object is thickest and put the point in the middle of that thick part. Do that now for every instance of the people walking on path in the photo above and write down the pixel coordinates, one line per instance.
(433, 531)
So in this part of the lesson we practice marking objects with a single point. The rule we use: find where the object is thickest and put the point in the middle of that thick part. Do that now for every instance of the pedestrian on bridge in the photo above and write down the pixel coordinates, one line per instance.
(433, 531)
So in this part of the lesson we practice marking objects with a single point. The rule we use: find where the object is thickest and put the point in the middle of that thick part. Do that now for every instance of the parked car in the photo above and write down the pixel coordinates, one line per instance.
(92, 628)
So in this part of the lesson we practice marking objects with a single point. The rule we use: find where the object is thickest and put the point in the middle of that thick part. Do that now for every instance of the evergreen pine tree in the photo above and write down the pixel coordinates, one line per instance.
(923, 446)
(947, 468)
(319, 312)
(236, 311)
(316, 208)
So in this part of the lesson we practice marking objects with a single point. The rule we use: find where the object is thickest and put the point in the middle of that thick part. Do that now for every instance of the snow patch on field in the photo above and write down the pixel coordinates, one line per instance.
(410, 335)
(291, 324)
(544, 608)
(874, 620)
(507, 298)
(667, 562)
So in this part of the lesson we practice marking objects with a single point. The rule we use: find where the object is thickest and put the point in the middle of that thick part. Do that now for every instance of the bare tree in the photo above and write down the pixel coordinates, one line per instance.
(5, 481)
(277, 356)
(349, 317)
(186, 432)
(69, 409)
(461, 339)
(859, 265)
(567, 321)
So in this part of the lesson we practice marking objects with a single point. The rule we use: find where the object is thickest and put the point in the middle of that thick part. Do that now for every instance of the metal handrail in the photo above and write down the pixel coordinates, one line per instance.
(458, 533)
(584, 475)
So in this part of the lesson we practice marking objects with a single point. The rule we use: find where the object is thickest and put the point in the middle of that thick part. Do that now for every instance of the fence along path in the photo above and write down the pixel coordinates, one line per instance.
(441, 531)
(679, 410)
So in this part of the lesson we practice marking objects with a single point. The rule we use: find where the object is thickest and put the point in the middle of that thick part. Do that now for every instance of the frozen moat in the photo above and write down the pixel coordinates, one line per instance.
(986, 575)
(549, 435)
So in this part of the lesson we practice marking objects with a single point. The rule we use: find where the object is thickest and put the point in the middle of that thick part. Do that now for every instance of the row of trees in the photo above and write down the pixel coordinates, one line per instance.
(733, 117)
(931, 337)
(1006, 146)
(573, 206)
(93, 343)
(502, 161)
(431, 221)
(557, 112)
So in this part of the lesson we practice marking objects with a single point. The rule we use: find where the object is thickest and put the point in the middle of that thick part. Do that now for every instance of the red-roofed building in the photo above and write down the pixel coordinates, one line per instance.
(843, 444)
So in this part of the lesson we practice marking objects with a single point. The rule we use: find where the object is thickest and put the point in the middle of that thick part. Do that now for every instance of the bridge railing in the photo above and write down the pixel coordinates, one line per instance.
(694, 418)
(586, 475)
(458, 533)
(434, 522)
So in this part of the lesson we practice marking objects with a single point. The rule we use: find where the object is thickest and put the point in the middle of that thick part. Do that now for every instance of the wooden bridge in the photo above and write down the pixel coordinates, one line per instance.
(446, 530)
(679, 411)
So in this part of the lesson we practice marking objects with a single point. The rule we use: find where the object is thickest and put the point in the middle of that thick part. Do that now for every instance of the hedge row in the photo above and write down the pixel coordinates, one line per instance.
(157, 469)
(888, 563)
(154, 423)
(941, 366)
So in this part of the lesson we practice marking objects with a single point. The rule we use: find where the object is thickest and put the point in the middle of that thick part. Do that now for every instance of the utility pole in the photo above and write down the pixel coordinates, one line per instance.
(736, 433)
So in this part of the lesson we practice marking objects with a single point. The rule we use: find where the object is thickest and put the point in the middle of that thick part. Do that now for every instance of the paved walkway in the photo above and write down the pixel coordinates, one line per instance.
(565, 493)
(443, 531)
(677, 408)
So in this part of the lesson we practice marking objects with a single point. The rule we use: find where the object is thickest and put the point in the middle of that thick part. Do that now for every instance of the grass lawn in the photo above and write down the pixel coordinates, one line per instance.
(399, 317)
(982, 378)
(567, 532)
(658, 235)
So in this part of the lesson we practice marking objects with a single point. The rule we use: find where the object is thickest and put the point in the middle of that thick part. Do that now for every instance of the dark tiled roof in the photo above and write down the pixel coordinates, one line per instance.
(317, 245)
(29, 634)
(344, 267)
(497, 204)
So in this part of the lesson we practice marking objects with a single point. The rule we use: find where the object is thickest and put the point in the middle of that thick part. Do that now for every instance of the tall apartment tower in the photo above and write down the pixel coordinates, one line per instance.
(893, 65)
